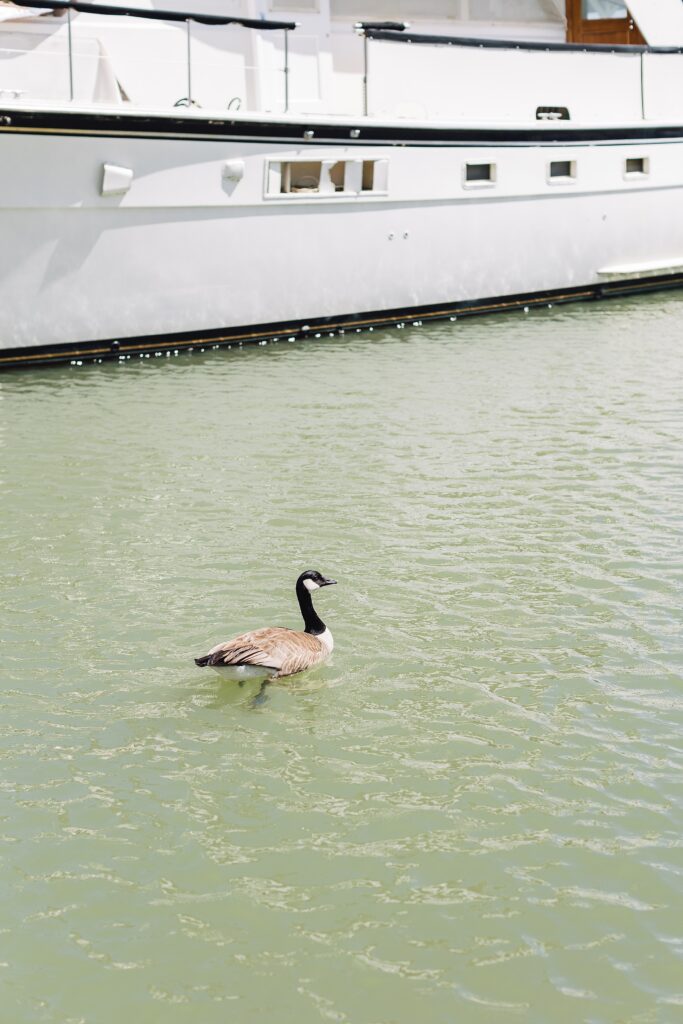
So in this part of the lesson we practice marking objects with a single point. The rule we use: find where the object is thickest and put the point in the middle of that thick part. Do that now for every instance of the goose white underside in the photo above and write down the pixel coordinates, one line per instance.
(242, 672)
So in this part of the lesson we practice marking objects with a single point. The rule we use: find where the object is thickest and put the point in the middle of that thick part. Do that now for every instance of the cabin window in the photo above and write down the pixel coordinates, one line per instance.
(479, 174)
(368, 175)
(374, 176)
(636, 166)
(325, 177)
(594, 10)
(562, 171)
(300, 176)
(337, 175)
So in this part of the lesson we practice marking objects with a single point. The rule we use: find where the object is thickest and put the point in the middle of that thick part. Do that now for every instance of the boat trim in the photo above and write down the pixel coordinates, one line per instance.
(189, 341)
(80, 7)
(308, 133)
(482, 43)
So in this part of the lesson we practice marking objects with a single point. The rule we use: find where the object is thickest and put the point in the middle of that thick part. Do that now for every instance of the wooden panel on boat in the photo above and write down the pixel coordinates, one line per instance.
(586, 23)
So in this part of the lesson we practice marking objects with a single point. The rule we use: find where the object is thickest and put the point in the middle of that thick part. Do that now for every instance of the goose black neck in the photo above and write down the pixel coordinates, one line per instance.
(312, 621)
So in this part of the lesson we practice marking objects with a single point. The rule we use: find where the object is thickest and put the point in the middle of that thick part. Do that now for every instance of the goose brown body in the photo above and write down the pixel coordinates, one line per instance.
(284, 651)
(277, 651)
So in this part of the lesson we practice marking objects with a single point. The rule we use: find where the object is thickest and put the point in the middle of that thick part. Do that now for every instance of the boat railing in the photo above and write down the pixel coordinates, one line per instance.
(189, 18)
(209, 61)
(636, 81)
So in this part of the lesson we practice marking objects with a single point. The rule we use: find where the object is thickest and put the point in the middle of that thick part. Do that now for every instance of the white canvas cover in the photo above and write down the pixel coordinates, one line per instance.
(660, 21)
(10, 12)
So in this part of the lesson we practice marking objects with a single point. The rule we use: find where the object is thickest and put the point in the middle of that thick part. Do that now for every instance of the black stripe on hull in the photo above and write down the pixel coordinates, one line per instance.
(97, 351)
(361, 133)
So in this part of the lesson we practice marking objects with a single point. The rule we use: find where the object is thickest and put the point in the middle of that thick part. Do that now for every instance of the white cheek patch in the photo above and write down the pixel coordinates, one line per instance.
(310, 585)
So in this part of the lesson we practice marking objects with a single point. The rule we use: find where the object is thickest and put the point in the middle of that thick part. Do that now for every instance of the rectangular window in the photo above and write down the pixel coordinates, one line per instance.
(301, 176)
(480, 172)
(595, 10)
(337, 175)
(368, 175)
(479, 175)
(562, 171)
(636, 165)
(325, 177)
(374, 176)
(368, 182)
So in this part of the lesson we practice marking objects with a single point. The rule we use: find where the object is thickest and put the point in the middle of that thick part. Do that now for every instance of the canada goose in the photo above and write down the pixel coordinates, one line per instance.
(276, 651)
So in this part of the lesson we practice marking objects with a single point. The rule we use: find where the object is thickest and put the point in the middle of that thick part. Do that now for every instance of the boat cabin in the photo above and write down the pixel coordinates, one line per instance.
(349, 58)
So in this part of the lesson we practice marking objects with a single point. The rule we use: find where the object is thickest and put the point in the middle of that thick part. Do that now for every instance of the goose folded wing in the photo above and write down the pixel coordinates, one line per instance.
(284, 650)
(245, 650)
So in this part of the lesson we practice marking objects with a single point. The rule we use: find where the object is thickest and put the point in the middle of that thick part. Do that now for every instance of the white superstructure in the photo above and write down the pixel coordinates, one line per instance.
(169, 182)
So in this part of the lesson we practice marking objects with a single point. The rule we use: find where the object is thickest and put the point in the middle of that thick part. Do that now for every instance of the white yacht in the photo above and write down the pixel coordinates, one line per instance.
(215, 172)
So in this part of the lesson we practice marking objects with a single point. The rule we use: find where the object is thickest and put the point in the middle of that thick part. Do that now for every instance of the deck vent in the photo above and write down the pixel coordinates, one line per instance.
(552, 114)
(480, 174)
(636, 166)
(561, 171)
(116, 180)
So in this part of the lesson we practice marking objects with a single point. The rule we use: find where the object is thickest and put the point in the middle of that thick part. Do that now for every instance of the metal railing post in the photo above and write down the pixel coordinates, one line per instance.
(71, 55)
(362, 28)
(189, 63)
(365, 75)
(642, 85)
(286, 70)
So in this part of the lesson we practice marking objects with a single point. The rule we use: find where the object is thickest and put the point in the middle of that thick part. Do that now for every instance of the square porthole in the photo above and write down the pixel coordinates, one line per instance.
(561, 172)
(479, 175)
(636, 166)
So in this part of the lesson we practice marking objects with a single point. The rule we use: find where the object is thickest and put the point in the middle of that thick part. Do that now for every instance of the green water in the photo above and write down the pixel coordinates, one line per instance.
(473, 813)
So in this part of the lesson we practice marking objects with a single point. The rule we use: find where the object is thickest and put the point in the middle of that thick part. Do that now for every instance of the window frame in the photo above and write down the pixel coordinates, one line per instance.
(562, 179)
(489, 182)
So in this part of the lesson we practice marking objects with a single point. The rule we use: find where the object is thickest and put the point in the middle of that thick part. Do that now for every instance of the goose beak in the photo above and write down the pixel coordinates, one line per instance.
(328, 583)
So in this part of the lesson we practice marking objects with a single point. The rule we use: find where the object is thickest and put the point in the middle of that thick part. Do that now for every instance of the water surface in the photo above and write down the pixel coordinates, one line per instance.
(474, 812)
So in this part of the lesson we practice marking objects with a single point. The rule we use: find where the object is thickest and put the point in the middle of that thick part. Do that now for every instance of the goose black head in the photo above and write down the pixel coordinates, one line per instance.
(313, 580)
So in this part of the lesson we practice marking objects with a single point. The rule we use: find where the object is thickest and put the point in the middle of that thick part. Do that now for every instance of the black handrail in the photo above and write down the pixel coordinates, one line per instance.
(139, 12)
(507, 44)
(381, 26)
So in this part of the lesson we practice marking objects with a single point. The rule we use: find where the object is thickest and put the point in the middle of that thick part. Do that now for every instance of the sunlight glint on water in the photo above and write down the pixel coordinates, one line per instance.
(473, 813)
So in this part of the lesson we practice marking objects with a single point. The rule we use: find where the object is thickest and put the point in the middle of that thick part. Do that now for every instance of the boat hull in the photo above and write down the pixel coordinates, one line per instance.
(187, 255)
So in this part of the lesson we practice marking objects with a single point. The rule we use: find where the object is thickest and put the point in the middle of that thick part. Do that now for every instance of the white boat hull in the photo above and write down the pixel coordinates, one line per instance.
(185, 252)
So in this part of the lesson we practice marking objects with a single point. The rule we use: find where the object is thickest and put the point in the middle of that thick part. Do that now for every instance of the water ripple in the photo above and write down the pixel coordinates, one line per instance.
(475, 806)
